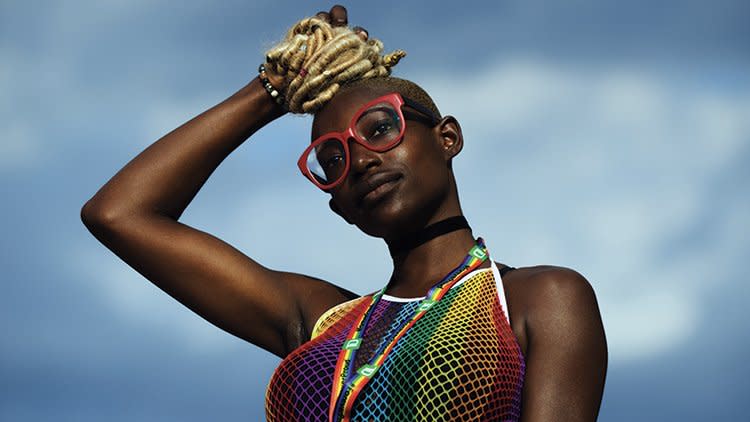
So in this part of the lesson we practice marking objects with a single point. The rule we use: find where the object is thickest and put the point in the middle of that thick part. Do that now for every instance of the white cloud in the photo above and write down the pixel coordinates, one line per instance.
(648, 325)
(722, 126)
(19, 146)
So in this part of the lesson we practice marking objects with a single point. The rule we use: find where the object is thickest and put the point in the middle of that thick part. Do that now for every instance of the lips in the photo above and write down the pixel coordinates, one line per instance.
(376, 186)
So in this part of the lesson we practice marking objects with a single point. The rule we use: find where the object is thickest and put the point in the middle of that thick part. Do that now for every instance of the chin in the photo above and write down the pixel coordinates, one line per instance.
(391, 219)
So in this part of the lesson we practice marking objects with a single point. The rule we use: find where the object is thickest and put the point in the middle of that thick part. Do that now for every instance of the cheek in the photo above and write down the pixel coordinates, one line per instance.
(425, 165)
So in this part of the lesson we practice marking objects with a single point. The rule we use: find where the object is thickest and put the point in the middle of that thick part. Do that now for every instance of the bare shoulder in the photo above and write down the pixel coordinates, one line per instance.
(547, 288)
(549, 277)
(544, 298)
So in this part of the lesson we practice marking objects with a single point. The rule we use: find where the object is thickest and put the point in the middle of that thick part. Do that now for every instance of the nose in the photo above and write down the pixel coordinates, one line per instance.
(362, 158)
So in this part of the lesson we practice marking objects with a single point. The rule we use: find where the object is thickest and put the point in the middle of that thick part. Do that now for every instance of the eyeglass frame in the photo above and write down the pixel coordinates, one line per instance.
(393, 98)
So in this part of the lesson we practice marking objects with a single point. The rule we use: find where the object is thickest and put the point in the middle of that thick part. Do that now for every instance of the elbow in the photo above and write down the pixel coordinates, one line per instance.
(91, 216)
(95, 216)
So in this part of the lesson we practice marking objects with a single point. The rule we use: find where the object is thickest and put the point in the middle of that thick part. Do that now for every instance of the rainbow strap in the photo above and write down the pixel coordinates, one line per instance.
(347, 386)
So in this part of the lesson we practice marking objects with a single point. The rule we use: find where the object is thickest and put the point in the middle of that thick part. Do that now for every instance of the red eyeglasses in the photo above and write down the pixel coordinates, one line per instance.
(378, 126)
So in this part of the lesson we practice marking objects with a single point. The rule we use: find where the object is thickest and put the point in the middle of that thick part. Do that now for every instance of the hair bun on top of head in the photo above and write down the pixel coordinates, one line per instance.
(315, 59)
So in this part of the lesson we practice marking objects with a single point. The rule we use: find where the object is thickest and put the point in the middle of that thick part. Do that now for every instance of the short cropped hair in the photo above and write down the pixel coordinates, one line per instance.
(402, 86)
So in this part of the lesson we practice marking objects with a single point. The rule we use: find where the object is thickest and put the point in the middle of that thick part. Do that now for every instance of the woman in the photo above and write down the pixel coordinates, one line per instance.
(453, 335)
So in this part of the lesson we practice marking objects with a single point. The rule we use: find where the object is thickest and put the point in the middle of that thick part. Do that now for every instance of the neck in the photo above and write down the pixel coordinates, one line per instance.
(411, 241)
(420, 265)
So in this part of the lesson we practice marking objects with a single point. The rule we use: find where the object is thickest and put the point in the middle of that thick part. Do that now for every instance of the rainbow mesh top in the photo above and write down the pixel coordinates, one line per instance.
(459, 362)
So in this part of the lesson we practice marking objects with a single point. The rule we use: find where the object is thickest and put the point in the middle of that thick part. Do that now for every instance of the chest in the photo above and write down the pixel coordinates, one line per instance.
(461, 355)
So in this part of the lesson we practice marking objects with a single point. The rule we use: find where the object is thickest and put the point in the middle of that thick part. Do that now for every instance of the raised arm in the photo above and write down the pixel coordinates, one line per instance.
(135, 214)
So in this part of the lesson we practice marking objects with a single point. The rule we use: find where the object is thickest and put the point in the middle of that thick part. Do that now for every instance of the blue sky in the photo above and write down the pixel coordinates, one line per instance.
(610, 137)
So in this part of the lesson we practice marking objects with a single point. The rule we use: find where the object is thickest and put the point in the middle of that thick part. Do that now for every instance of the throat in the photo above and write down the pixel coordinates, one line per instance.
(428, 233)
(427, 256)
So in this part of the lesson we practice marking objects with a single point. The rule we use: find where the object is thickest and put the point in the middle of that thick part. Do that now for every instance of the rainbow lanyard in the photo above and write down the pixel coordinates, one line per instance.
(347, 385)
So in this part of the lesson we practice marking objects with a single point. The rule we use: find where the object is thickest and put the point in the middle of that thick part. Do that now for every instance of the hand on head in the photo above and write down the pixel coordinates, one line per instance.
(337, 16)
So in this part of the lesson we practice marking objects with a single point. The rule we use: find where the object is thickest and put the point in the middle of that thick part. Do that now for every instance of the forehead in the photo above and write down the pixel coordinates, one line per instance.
(337, 113)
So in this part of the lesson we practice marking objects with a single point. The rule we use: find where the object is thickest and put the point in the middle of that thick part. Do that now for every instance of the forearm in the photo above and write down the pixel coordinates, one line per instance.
(167, 175)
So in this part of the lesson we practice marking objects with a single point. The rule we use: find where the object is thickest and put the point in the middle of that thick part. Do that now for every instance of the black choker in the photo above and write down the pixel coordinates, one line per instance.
(430, 232)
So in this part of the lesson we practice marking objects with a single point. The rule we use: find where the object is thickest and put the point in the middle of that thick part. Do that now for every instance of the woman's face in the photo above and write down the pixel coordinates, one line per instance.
(392, 192)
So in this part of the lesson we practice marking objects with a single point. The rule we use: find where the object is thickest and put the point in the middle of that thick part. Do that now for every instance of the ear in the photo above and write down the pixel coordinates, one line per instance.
(332, 205)
(451, 138)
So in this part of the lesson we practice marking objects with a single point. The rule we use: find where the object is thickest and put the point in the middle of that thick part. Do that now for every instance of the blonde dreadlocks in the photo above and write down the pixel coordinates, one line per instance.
(315, 59)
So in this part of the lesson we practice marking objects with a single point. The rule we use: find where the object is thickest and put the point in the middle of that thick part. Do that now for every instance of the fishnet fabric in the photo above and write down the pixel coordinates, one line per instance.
(300, 388)
(377, 338)
(460, 362)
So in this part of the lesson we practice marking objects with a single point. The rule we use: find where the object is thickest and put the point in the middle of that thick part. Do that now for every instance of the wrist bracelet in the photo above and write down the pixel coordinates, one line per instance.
(275, 94)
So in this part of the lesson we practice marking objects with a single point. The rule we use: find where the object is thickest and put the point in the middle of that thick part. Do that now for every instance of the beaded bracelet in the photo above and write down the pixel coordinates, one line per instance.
(275, 94)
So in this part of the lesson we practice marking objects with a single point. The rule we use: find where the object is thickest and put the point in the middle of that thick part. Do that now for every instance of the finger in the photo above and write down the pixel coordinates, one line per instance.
(338, 15)
(361, 32)
(323, 16)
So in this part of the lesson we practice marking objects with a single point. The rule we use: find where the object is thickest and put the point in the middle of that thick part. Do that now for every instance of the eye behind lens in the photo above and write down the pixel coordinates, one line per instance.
(380, 126)
(327, 161)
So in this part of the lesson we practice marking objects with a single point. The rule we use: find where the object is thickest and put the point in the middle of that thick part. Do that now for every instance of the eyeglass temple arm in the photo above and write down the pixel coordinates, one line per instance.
(432, 119)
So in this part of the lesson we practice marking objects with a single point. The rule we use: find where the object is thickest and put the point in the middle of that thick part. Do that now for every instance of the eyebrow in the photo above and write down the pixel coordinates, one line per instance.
(374, 109)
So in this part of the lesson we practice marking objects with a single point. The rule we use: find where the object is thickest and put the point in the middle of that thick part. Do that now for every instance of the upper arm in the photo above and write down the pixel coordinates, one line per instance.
(272, 309)
(566, 359)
